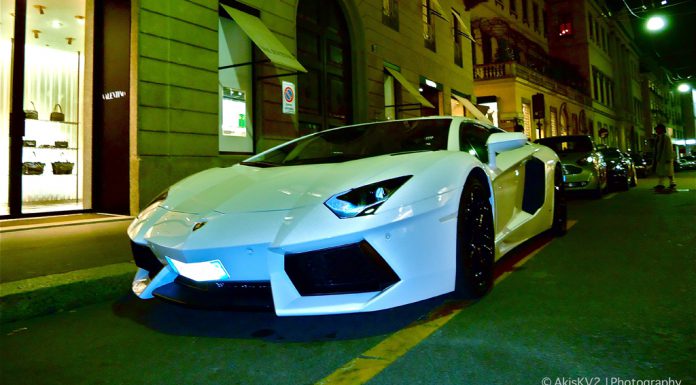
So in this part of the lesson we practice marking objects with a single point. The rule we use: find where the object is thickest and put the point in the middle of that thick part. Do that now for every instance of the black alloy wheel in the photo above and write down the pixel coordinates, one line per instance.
(560, 206)
(475, 242)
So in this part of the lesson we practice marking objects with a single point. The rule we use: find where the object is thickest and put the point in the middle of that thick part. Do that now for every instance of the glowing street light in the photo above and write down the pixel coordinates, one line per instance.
(684, 88)
(656, 23)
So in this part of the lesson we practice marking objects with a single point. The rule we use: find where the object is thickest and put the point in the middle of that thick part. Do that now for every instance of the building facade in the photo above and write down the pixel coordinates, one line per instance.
(106, 103)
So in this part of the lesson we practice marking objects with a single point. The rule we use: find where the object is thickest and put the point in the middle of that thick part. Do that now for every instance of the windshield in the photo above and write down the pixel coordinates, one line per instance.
(566, 144)
(357, 142)
(610, 153)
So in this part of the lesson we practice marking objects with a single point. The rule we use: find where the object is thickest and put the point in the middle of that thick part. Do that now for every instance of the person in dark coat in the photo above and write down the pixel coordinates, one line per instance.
(664, 157)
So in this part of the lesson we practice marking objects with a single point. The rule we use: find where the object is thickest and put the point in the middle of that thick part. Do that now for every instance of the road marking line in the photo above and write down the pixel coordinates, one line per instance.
(609, 196)
(363, 368)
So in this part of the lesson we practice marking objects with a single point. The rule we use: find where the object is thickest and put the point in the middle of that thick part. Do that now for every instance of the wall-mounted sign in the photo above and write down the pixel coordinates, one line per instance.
(289, 98)
(113, 95)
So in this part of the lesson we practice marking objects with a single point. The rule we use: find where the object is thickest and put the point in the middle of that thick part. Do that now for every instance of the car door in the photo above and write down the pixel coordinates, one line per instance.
(508, 175)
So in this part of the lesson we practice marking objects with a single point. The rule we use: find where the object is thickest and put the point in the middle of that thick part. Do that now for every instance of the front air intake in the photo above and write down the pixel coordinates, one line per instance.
(354, 268)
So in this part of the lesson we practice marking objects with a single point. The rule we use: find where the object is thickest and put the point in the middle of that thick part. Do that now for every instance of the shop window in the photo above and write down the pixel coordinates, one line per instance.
(50, 170)
(554, 121)
(390, 14)
(527, 118)
(235, 89)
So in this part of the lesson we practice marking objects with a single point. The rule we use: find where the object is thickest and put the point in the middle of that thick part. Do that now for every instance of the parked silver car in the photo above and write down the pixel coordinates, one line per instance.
(584, 166)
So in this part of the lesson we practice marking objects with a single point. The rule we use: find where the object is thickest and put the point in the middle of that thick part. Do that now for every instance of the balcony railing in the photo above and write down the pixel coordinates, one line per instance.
(512, 69)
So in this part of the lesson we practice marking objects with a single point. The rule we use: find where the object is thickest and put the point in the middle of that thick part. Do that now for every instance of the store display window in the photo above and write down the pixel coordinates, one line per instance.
(52, 153)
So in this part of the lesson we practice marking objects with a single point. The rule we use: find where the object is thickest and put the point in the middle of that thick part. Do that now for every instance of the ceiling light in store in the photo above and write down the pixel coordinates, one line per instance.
(70, 40)
(80, 20)
(56, 24)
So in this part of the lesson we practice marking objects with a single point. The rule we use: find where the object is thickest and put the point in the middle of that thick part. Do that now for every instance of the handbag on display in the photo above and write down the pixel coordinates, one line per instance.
(57, 116)
(28, 143)
(62, 168)
(31, 114)
(61, 144)
(33, 168)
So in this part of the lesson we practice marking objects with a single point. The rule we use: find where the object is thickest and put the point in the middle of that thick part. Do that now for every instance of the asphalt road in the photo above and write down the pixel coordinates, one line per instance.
(612, 301)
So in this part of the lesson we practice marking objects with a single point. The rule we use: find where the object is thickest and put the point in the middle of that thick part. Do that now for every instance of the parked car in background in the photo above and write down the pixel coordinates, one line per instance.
(641, 164)
(583, 165)
(620, 171)
(687, 162)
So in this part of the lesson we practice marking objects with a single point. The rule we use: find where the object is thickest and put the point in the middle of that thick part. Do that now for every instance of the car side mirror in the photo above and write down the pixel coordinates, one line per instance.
(504, 141)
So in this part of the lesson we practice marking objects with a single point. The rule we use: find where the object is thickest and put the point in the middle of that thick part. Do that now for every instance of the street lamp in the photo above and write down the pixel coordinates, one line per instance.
(684, 88)
(656, 23)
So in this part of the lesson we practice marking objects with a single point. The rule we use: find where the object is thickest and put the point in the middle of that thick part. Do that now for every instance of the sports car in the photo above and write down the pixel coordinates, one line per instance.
(351, 219)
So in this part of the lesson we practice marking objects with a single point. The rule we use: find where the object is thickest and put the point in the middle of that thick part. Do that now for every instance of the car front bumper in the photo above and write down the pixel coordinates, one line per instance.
(308, 260)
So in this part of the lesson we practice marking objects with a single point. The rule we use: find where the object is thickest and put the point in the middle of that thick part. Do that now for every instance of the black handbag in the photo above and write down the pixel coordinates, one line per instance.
(62, 168)
(61, 144)
(57, 116)
(33, 168)
(31, 114)
(28, 143)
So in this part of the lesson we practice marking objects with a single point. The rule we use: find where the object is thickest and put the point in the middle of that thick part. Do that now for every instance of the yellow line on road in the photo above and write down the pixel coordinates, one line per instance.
(363, 368)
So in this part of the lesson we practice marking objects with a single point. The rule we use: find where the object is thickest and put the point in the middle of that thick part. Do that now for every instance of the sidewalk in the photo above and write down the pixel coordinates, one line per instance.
(57, 263)
(60, 263)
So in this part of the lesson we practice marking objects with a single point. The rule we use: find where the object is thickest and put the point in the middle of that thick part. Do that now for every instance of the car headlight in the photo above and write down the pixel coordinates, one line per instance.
(587, 159)
(364, 200)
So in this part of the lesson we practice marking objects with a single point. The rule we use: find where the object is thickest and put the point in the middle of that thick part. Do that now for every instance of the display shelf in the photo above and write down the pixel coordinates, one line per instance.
(53, 121)
(27, 148)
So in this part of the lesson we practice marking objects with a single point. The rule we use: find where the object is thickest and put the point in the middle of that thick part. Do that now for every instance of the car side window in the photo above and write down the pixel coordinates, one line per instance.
(473, 137)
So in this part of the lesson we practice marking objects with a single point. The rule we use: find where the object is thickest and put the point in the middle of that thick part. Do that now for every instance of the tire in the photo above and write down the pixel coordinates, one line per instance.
(560, 207)
(475, 242)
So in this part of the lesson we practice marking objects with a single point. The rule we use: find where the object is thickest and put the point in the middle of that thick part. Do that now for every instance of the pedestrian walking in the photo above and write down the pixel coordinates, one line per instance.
(664, 157)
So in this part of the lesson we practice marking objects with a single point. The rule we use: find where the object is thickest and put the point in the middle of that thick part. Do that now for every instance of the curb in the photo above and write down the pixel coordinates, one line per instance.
(60, 292)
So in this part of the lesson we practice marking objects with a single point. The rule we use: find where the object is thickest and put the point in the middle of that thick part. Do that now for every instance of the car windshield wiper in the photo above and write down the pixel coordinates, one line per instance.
(259, 164)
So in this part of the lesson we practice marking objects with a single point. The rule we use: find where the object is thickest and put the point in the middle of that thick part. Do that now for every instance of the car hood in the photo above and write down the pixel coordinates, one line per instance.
(247, 189)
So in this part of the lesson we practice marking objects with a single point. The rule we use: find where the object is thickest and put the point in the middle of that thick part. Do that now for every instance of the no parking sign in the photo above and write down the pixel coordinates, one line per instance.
(289, 98)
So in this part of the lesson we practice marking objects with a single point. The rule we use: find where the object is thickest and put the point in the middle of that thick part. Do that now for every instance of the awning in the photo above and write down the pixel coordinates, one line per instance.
(437, 8)
(472, 109)
(462, 27)
(411, 90)
(264, 39)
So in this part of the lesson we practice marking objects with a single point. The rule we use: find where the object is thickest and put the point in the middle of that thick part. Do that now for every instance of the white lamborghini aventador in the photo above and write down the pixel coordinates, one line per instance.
(351, 219)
